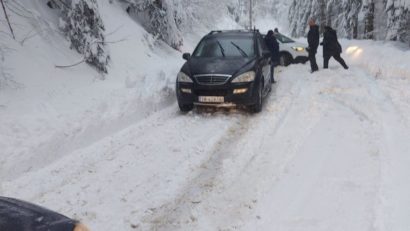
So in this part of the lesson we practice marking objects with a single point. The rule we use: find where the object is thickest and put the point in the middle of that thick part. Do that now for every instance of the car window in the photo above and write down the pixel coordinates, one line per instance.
(263, 46)
(283, 39)
(225, 47)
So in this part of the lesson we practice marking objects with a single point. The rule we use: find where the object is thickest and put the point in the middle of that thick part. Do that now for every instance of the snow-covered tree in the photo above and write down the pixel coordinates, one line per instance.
(169, 19)
(299, 14)
(398, 16)
(355, 18)
(342, 15)
(369, 14)
(238, 10)
(160, 18)
(81, 22)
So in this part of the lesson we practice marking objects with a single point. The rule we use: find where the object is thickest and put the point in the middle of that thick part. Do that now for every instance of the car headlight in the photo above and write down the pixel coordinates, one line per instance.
(183, 78)
(298, 48)
(80, 227)
(245, 77)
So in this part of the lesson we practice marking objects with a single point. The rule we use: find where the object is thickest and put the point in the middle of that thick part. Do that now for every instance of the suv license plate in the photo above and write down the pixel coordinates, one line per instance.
(211, 99)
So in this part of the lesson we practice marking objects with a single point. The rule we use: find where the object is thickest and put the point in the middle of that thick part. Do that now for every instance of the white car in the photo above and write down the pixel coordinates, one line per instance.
(291, 51)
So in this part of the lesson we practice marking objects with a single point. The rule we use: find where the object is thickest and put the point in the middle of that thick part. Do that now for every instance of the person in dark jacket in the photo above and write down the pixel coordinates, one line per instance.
(331, 48)
(313, 41)
(273, 47)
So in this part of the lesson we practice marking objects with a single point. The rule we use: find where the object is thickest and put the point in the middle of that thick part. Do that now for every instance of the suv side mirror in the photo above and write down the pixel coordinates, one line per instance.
(186, 56)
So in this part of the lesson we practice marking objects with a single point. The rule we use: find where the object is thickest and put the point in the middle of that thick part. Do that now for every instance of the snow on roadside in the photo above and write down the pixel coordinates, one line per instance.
(382, 59)
(52, 112)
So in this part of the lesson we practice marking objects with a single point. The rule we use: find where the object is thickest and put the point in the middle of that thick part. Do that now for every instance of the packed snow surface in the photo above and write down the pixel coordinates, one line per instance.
(329, 151)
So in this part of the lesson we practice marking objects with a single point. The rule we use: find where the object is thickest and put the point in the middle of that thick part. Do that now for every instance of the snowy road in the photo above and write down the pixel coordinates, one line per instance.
(328, 152)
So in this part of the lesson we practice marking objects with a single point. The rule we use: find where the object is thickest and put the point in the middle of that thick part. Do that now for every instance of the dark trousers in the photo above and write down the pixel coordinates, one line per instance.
(272, 71)
(337, 58)
(312, 59)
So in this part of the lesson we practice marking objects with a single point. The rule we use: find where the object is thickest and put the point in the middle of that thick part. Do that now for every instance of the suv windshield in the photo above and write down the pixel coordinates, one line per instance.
(225, 47)
(283, 39)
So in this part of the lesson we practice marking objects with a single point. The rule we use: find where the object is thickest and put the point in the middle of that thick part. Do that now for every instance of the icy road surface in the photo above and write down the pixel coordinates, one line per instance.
(330, 151)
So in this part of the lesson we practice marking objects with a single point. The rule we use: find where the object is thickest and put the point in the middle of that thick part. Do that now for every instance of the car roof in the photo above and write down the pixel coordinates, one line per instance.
(232, 33)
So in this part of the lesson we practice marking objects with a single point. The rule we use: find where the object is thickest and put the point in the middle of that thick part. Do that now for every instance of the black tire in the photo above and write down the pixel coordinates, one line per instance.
(285, 59)
(257, 107)
(272, 80)
(185, 107)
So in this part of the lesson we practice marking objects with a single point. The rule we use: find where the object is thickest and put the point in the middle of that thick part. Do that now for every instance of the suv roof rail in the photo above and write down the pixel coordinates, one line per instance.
(238, 30)
(214, 32)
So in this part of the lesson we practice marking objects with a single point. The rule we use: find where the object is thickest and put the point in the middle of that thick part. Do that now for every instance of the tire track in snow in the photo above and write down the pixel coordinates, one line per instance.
(204, 193)
(177, 212)
(393, 135)
(110, 159)
(298, 187)
(279, 146)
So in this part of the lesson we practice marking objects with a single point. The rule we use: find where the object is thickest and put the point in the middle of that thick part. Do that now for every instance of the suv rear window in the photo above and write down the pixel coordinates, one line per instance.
(283, 39)
(225, 47)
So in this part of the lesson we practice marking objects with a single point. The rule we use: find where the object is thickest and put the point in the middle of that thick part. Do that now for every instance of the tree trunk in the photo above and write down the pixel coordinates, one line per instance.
(369, 21)
(355, 27)
(250, 14)
(322, 12)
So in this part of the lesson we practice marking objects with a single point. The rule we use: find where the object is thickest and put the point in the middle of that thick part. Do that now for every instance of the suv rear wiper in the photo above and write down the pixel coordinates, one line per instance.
(243, 53)
(222, 49)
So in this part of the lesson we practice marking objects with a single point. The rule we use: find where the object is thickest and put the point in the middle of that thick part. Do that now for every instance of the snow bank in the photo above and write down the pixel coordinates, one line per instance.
(47, 112)
(382, 59)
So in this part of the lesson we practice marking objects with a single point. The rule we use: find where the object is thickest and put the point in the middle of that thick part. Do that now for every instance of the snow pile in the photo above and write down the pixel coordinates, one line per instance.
(382, 59)
(49, 112)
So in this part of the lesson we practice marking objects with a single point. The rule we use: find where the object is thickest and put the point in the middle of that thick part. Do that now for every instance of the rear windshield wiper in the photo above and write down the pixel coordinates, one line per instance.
(243, 53)
(222, 49)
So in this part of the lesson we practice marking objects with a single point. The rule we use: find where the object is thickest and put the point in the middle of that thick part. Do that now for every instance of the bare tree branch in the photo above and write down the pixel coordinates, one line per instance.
(71, 65)
(114, 31)
(27, 37)
(7, 18)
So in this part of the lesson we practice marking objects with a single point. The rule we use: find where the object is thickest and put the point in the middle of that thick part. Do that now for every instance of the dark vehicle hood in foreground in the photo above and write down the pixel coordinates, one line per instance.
(226, 66)
(16, 215)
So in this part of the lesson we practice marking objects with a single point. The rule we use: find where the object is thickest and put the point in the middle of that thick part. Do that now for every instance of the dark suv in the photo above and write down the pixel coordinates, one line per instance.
(227, 68)
(17, 215)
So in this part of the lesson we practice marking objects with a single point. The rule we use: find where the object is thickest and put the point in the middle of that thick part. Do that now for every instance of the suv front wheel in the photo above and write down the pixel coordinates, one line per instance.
(257, 107)
(185, 107)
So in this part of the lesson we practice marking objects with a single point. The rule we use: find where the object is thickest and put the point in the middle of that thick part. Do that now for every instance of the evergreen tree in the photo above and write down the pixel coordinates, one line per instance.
(81, 22)
(355, 18)
(398, 15)
(83, 26)
(160, 18)
(369, 10)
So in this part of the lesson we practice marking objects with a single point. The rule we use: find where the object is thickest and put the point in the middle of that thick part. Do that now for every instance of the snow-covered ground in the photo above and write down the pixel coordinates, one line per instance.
(330, 151)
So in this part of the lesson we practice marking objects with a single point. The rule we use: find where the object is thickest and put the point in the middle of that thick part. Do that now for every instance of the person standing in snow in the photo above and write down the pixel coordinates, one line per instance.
(273, 47)
(313, 41)
(331, 48)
